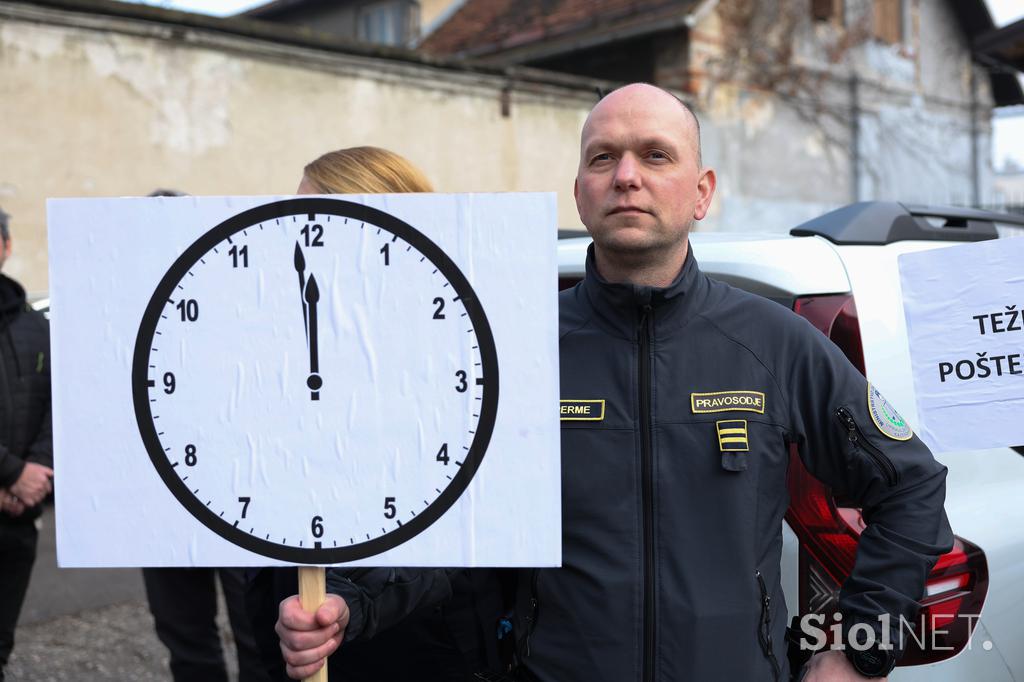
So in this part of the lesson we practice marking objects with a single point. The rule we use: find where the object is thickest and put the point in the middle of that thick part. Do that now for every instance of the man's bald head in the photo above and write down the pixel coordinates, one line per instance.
(645, 94)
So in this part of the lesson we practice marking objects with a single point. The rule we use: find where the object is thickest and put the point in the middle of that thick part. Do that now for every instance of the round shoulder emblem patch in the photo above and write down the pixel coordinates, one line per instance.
(885, 416)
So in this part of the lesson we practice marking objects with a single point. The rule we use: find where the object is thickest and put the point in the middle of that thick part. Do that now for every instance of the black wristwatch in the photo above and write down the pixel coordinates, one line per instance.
(873, 662)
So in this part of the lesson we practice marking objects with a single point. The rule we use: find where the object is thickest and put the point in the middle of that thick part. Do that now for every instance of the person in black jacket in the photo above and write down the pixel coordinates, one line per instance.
(673, 496)
(26, 442)
(451, 637)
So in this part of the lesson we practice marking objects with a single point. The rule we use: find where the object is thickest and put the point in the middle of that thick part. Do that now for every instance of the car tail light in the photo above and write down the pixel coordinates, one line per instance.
(829, 532)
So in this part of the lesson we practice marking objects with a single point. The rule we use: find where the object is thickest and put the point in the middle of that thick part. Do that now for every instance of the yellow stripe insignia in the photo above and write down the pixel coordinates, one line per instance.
(581, 410)
(732, 435)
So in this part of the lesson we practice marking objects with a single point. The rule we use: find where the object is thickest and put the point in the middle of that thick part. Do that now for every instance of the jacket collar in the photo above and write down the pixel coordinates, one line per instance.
(621, 306)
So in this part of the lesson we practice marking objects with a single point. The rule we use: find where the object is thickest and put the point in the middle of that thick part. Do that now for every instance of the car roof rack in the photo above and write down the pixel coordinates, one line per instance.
(884, 222)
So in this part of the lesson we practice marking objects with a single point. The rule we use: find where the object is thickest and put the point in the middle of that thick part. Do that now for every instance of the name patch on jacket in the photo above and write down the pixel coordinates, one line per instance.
(727, 401)
(581, 410)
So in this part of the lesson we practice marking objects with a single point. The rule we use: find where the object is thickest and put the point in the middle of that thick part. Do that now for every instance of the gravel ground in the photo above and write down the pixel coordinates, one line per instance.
(111, 644)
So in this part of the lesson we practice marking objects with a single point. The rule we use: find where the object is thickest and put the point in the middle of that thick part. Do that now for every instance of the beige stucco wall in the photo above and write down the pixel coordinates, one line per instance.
(121, 107)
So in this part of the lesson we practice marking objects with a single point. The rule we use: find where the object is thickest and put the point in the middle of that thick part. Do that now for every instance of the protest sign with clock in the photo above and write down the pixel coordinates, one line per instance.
(316, 380)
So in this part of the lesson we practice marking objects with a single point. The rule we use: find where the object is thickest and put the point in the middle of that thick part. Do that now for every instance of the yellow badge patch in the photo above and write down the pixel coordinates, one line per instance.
(732, 435)
(727, 401)
(581, 410)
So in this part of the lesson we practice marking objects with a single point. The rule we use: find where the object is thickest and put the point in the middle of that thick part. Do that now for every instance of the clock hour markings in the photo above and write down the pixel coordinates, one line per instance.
(393, 239)
(312, 217)
(151, 383)
(399, 523)
(458, 462)
(175, 464)
(316, 545)
(202, 261)
(163, 317)
(479, 380)
(229, 241)
(236, 524)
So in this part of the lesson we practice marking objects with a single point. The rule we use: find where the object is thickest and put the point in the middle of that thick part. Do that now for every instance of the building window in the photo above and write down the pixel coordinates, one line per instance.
(887, 20)
(827, 10)
(391, 22)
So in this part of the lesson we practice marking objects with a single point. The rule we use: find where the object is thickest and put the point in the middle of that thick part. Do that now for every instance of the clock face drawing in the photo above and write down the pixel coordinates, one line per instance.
(315, 380)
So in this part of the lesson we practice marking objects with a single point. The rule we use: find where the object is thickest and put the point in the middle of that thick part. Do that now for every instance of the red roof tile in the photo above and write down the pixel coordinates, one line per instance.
(481, 26)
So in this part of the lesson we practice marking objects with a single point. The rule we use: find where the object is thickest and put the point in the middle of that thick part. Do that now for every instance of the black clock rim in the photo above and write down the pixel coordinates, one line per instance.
(488, 358)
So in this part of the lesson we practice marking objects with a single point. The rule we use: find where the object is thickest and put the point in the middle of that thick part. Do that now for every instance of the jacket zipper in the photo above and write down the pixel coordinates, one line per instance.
(857, 440)
(531, 620)
(764, 633)
(647, 481)
(8, 394)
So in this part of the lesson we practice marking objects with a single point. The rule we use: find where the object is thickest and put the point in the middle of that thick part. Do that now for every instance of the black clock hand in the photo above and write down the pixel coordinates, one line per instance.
(312, 295)
(300, 267)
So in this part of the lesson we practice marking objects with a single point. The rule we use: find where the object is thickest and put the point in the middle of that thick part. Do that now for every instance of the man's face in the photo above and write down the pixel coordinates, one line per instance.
(639, 185)
(5, 251)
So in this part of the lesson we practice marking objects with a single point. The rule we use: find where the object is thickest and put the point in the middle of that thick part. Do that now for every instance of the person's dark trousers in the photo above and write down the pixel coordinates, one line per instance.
(17, 554)
(183, 602)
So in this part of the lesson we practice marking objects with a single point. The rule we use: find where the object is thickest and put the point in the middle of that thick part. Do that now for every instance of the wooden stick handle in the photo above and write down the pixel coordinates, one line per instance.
(313, 593)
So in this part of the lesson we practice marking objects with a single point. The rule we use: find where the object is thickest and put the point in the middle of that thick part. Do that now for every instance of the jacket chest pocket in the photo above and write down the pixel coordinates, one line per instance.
(732, 438)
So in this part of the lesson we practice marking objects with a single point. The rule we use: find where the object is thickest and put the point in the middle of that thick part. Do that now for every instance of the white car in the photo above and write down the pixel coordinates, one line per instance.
(839, 271)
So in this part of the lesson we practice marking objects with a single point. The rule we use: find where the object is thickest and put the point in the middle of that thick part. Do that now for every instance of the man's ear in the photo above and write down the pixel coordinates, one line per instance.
(7, 247)
(705, 192)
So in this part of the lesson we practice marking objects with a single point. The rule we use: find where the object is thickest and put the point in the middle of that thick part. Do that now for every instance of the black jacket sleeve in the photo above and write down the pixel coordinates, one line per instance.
(10, 467)
(41, 449)
(898, 484)
(378, 598)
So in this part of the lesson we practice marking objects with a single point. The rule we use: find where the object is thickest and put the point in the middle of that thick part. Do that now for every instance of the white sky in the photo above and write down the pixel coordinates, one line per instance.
(1007, 126)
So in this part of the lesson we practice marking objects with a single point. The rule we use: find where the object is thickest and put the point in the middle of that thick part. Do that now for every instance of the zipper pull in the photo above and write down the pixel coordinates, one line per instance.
(766, 599)
(851, 426)
(645, 311)
(531, 622)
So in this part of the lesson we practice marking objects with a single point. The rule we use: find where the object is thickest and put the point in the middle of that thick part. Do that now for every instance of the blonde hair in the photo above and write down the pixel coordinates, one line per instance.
(369, 170)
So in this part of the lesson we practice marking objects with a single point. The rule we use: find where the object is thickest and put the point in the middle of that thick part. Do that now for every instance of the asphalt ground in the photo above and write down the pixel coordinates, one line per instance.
(87, 625)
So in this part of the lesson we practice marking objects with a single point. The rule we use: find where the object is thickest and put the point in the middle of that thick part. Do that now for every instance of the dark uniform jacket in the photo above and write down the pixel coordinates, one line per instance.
(673, 501)
(674, 489)
(25, 433)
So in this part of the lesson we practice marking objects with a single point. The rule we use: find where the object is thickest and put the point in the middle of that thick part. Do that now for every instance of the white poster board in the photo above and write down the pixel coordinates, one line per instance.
(250, 381)
(964, 307)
